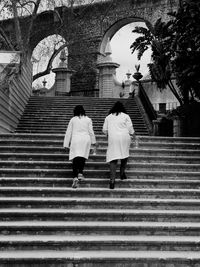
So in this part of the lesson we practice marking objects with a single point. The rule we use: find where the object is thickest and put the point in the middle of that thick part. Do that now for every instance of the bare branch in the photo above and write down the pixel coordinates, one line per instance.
(17, 25)
(31, 22)
(49, 65)
(5, 39)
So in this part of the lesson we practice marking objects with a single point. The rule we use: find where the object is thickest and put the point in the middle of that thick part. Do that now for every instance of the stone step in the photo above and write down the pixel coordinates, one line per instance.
(101, 105)
(63, 124)
(100, 258)
(101, 151)
(105, 107)
(107, 215)
(99, 228)
(78, 100)
(62, 128)
(68, 113)
(122, 193)
(103, 242)
(54, 131)
(40, 137)
(36, 121)
(182, 183)
(135, 114)
(102, 143)
(171, 142)
(139, 128)
(167, 139)
(63, 156)
(91, 165)
(81, 202)
(194, 146)
(61, 116)
(142, 174)
(101, 137)
(86, 102)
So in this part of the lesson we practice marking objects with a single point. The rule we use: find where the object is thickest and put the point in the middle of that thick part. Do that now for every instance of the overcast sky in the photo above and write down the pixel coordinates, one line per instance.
(121, 52)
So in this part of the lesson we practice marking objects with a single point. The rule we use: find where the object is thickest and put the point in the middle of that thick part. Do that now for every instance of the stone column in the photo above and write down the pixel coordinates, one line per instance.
(137, 76)
(155, 128)
(107, 73)
(63, 76)
(177, 131)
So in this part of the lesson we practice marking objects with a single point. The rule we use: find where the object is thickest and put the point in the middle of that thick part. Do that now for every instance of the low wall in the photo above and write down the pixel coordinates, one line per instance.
(14, 99)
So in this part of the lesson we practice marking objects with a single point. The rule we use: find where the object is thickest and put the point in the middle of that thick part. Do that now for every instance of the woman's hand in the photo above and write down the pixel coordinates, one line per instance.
(94, 148)
(133, 137)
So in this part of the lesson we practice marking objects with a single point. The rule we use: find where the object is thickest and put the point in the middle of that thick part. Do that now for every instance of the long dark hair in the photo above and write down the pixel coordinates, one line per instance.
(79, 111)
(117, 108)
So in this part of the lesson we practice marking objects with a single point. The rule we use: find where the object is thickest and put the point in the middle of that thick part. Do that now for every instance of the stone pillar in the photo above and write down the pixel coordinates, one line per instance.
(137, 76)
(155, 127)
(176, 127)
(107, 73)
(63, 76)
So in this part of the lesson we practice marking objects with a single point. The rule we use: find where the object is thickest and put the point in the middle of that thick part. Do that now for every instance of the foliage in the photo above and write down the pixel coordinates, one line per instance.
(186, 61)
(175, 50)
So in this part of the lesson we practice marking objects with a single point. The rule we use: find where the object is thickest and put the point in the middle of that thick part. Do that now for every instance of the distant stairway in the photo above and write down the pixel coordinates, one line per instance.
(52, 114)
(150, 220)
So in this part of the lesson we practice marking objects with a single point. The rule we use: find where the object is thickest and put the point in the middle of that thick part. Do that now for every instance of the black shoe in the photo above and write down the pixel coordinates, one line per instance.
(123, 176)
(112, 185)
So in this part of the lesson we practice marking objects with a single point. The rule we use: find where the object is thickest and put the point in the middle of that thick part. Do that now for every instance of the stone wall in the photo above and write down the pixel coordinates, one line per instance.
(158, 97)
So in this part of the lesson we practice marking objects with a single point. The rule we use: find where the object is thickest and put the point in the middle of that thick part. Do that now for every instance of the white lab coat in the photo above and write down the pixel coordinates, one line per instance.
(79, 136)
(118, 128)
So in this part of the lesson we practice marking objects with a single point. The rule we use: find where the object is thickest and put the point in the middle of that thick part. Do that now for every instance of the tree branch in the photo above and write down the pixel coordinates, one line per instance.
(5, 39)
(17, 26)
(49, 65)
(31, 22)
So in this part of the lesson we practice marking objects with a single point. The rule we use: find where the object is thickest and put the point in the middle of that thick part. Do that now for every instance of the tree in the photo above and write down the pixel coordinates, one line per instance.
(186, 47)
(175, 50)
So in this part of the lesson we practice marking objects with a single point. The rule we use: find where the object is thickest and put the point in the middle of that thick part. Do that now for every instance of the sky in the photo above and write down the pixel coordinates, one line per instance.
(121, 52)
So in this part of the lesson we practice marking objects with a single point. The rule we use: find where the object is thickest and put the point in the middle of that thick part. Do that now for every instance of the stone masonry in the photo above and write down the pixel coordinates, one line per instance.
(88, 28)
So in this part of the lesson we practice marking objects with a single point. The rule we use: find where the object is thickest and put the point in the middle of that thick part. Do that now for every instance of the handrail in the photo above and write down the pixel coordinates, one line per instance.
(146, 103)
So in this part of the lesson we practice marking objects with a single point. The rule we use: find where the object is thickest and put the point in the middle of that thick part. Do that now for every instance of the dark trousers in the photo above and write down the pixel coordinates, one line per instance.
(78, 165)
(113, 167)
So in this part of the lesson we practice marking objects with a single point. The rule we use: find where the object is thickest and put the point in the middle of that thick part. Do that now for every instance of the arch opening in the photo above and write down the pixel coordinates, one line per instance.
(121, 37)
(41, 57)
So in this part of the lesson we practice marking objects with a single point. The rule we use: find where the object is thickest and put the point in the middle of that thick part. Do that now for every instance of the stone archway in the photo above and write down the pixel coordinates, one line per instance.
(89, 29)
(115, 60)
(114, 28)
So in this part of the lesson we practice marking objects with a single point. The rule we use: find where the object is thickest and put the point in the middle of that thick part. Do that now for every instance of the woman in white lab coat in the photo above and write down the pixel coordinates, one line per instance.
(79, 137)
(119, 129)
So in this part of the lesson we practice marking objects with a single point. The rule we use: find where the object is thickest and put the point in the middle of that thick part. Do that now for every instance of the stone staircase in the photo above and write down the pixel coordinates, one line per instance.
(150, 220)
(52, 114)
